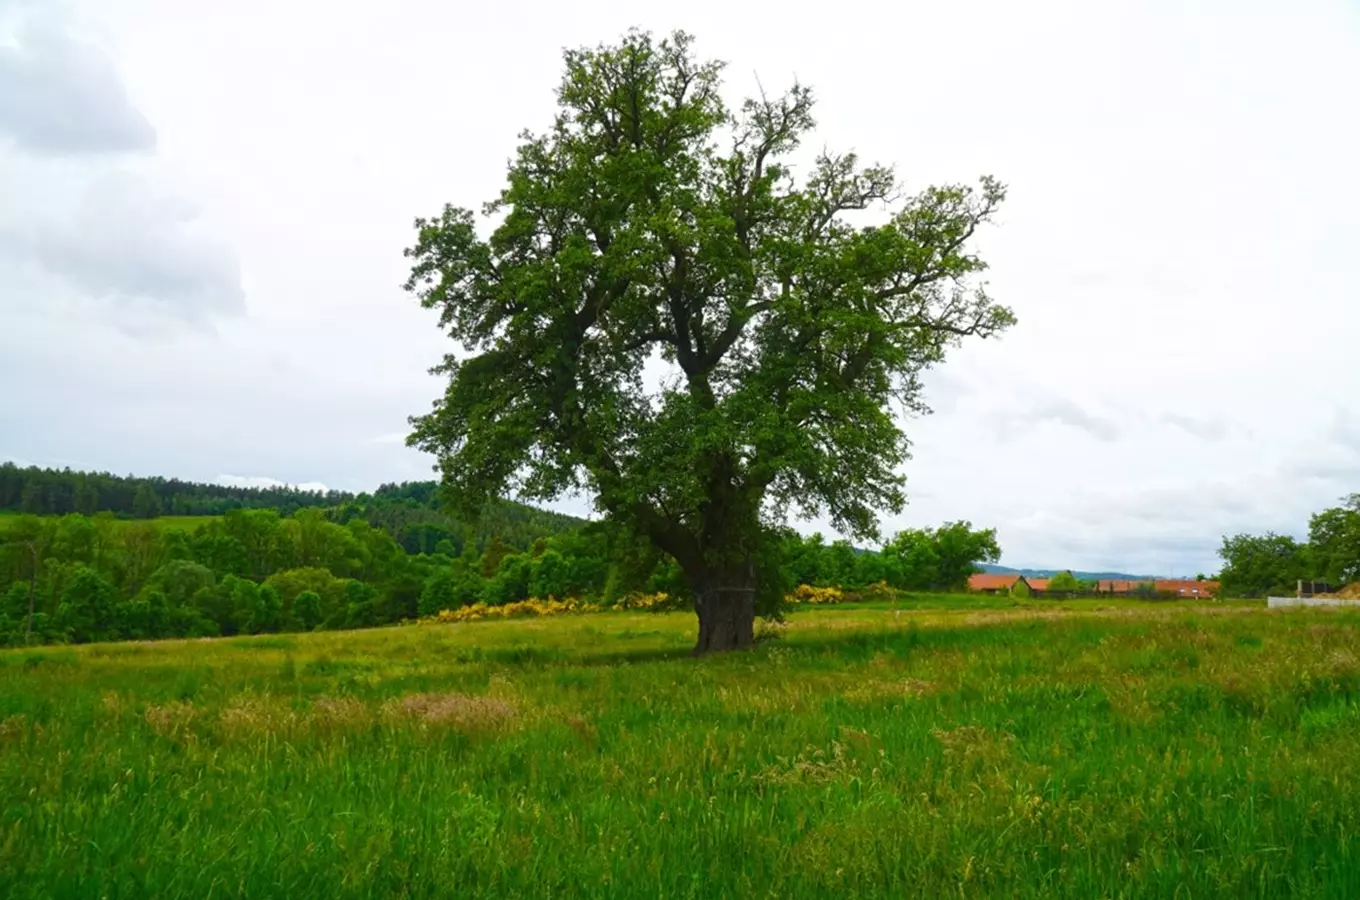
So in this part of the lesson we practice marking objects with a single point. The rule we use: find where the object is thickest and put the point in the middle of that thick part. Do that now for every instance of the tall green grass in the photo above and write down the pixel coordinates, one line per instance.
(1154, 751)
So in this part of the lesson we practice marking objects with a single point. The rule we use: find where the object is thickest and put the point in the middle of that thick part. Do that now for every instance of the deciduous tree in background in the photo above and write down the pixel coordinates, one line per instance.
(146, 505)
(1064, 583)
(1258, 565)
(1334, 542)
(653, 223)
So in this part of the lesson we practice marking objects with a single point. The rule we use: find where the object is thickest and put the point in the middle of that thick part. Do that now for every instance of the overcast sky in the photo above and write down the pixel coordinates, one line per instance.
(203, 208)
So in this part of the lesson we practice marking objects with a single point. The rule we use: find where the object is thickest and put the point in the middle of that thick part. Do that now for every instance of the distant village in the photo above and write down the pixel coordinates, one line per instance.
(1065, 584)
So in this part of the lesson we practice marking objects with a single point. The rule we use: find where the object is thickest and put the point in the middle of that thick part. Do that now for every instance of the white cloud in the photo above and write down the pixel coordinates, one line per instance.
(1178, 246)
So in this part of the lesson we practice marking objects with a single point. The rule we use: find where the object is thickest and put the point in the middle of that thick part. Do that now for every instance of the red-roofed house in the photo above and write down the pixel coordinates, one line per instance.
(1185, 587)
(1121, 587)
(1038, 584)
(990, 583)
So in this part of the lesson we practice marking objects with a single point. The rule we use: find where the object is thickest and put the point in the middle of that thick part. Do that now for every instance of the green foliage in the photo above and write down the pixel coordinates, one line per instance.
(510, 582)
(1063, 583)
(328, 595)
(88, 610)
(1256, 566)
(58, 492)
(651, 220)
(550, 575)
(145, 503)
(1334, 543)
(241, 573)
(180, 580)
(267, 613)
(919, 559)
(307, 610)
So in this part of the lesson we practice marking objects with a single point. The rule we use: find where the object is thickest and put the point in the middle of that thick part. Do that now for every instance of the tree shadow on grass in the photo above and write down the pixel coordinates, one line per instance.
(847, 646)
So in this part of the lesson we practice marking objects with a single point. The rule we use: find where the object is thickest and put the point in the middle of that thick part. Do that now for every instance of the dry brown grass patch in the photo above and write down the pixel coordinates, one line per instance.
(170, 719)
(974, 742)
(879, 689)
(459, 710)
(251, 715)
(340, 712)
(111, 703)
(814, 765)
(12, 726)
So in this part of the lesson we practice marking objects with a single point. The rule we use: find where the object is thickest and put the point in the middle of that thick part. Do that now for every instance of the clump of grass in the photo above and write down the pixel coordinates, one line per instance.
(341, 712)
(170, 719)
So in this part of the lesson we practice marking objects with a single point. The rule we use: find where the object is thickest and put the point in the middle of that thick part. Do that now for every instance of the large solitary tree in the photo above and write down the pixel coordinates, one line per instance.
(667, 315)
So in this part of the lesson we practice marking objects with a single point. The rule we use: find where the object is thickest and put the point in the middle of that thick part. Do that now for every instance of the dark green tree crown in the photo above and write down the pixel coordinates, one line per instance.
(653, 223)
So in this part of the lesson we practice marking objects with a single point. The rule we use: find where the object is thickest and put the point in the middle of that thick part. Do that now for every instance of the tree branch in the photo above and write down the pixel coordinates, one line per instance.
(735, 324)
(660, 336)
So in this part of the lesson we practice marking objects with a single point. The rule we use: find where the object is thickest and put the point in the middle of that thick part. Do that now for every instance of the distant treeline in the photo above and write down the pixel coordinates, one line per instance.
(409, 512)
(56, 492)
(370, 559)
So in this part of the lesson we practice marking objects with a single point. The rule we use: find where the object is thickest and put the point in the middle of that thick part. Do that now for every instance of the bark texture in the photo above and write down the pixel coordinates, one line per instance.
(725, 602)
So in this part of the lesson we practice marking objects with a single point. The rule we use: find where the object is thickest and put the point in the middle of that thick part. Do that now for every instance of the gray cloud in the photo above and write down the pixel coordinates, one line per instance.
(1205, 429)
(62, 97)
(1345, 429)
(1065, 412)
(78, 225)
(129, 243)
(1170, 529)
(1345, 472)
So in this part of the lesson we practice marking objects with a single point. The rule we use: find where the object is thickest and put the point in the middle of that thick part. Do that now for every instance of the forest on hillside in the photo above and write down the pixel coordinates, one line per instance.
(370, 559)
(409, 512)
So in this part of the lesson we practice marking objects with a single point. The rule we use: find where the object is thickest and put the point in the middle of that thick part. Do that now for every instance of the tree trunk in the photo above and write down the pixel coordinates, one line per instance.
(725, 601)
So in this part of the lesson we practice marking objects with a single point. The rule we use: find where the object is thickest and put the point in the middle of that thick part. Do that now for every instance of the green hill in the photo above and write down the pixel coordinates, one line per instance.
(410, 511)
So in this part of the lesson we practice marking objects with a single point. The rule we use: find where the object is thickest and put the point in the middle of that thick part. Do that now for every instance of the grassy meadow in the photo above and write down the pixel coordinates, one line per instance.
(941, 747)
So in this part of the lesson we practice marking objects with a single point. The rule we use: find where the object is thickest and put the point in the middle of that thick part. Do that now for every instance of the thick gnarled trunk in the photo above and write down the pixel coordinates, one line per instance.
(725, 601)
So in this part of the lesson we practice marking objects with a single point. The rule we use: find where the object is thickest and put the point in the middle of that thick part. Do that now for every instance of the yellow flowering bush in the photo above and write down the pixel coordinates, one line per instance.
(806, 593)
(519, 609)
(879, 590)
(658, 602)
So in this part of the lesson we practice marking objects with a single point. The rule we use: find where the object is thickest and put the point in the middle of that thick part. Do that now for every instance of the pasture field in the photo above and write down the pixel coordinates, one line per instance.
(183, 523)
(936, 749)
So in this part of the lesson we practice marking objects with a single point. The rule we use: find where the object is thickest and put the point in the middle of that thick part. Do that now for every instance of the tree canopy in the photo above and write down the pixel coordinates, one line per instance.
(1257, 565)
(1064, 582)
(667, 311)
(1334, 542)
